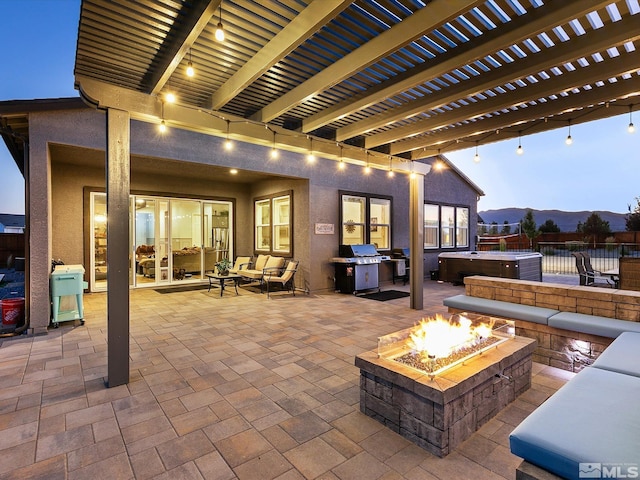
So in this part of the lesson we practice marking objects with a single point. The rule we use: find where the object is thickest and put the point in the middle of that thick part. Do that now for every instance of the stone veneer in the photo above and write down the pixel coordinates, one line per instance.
(556, 347)
(438, 414)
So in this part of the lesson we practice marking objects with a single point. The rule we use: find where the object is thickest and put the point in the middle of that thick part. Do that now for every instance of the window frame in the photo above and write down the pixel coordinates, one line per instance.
(367, 225)
(459, 234)
(272, 200)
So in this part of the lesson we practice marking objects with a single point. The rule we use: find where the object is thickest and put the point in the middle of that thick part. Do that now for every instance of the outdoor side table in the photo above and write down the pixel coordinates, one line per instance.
(222, 279)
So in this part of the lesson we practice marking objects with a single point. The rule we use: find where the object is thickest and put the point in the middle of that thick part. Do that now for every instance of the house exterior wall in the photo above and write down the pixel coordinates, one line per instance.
(58, 199)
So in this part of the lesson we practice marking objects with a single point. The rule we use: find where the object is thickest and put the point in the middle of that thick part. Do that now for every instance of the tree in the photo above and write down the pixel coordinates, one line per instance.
(494, 228)
(632, 222)
(528, 226)
(549, 227)
(506, 228)
(594, 226)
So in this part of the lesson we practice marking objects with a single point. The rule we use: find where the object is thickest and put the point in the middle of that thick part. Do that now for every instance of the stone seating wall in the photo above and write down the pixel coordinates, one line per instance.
(560, 348)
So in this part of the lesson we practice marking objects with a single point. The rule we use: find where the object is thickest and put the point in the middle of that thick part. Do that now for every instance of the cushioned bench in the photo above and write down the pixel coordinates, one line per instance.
(622, 356)
(592, 418)
(592, 324)
(503, 309)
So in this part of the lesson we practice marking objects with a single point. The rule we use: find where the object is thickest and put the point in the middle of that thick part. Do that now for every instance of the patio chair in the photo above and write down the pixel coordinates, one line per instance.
(282, 278)
(594, 274)
(588, 278)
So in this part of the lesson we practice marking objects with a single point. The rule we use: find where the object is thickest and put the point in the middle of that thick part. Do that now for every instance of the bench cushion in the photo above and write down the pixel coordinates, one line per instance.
(592, 324)
(592, 418)
(622, 356)
(499, 308)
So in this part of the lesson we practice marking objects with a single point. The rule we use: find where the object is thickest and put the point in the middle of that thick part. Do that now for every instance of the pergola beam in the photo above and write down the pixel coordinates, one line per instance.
(555, 12)
(175, 47)
(303, 26)
(594, 41)
(580, 108)
(623, 64)
(436, 13)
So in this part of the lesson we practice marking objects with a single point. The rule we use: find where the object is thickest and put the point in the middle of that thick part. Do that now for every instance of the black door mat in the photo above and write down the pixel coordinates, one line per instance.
(183, 288)
(385, 295)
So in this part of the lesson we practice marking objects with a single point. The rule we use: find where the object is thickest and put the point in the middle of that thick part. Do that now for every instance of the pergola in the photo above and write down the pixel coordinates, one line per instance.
(406, 78)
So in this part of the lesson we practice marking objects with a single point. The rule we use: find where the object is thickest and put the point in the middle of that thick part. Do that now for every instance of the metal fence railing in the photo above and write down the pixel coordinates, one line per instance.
(557, 258)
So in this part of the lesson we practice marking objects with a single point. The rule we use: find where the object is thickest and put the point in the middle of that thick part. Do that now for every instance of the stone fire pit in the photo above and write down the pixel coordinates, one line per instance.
(438, 412)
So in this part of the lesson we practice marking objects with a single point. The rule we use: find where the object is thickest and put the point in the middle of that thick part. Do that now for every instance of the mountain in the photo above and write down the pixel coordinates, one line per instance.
(567, 221)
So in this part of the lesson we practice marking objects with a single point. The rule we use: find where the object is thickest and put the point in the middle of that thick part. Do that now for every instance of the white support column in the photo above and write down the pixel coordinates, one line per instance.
(416, 241)
(118, 186)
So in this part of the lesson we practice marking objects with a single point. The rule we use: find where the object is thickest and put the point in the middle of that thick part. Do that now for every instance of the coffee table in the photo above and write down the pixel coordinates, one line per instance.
(222, 279)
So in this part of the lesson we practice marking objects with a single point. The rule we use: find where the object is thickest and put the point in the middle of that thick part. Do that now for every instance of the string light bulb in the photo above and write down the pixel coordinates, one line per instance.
(219, 28)
(519, 150)
(569, 140)
(162, 127)
(367, 168)
(341, 164)
(190, 71)
(274, 150)
(310, 156)
(476, 157)
(631, 128)
(228, 144)
(390, 173)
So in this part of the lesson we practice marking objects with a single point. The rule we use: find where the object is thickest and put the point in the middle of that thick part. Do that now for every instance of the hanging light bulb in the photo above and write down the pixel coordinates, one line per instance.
(390, 173)
(220, 28)
(341, 164)
(310, 156)
(367, 168)
(569, 140)
(519, 150)
(162, 127)
(190, 71)
(631, 128)
(476, 157)
(228, 144)
(274, 150)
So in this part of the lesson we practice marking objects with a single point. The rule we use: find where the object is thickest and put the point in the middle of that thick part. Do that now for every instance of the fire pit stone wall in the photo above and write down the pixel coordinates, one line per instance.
(438, 413)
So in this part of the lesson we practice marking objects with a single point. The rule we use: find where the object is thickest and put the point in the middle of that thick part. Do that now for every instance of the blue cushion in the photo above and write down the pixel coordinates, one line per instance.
(499, 308)
(593, 418)
(622, 356)
(591, 324)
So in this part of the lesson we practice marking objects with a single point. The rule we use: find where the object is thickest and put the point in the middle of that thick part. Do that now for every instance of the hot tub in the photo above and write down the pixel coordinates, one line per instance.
(454, 266)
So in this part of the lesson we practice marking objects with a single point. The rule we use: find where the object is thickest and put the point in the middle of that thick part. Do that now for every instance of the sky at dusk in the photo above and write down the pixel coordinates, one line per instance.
(600, 171)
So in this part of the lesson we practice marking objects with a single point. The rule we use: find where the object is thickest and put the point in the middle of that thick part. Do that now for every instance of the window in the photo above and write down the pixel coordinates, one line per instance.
(431, 226)
(273, 228)
(462, 227)
(365, 219)
(446, 226)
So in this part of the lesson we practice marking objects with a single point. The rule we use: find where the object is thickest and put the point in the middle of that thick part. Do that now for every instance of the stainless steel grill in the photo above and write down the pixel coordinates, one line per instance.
(357, 268)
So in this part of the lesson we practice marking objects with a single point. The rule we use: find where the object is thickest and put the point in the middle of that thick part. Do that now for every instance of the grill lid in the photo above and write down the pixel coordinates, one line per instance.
(366, 250)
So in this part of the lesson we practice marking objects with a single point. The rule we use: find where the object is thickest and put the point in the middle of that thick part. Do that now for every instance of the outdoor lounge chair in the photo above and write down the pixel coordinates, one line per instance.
(589, 276)
(282, 278)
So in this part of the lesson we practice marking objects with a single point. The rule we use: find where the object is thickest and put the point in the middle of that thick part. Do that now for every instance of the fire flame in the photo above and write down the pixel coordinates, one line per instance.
(439, 337)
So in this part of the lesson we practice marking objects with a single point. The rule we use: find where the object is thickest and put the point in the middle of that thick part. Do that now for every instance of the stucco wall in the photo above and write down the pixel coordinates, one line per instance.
(315, 186)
